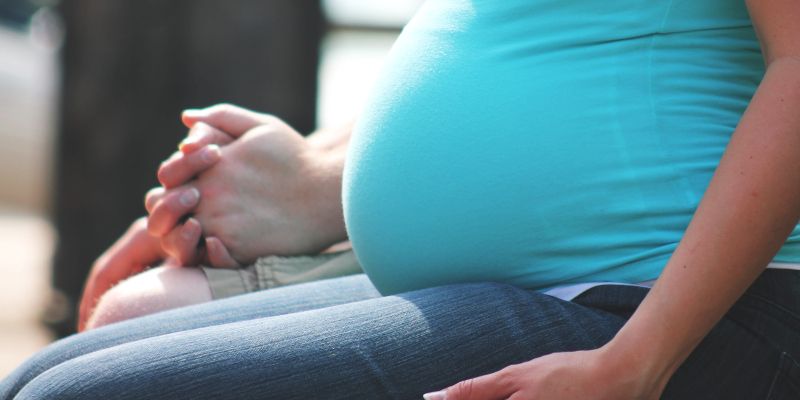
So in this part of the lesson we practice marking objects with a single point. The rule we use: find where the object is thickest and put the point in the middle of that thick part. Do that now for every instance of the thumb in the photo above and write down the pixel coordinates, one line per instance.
(487, 387)
(231, 119)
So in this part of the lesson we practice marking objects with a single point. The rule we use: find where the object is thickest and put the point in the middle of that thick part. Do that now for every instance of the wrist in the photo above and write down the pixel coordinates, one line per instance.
(326, 196)
(637, 363)
(317, 141)
(332, 140)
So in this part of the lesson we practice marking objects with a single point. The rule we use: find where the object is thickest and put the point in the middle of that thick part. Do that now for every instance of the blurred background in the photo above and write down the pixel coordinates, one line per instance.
(90, 94)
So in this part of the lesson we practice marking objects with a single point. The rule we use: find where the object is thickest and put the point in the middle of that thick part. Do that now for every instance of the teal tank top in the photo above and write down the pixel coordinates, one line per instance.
(545, 142)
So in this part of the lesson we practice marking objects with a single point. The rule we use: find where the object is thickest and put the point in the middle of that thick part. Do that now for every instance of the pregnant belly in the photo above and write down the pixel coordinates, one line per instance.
(500, 180)
(482, 162)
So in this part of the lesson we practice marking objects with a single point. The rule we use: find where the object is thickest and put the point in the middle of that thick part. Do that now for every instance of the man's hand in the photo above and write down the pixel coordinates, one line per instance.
(267, 191)
(198, 152)
(132, 253)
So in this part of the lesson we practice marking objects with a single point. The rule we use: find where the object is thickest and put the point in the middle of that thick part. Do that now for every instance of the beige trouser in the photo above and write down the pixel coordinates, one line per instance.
(274, 271)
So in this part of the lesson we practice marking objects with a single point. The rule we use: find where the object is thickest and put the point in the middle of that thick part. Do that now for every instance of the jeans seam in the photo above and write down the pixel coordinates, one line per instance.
(745, 326)
(778, 306)
(786, 362)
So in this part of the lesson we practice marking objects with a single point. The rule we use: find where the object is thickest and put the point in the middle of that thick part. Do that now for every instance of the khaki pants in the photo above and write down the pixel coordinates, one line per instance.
(274, 271)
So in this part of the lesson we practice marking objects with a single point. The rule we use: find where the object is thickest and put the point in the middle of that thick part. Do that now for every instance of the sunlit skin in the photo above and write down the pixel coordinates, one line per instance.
(748, 211)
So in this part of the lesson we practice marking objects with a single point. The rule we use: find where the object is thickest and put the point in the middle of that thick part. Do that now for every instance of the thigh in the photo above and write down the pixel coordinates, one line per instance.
(396, 347)
(273, 302)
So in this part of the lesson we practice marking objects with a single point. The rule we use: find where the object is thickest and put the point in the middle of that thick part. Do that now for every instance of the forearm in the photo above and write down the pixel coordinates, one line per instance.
(332, 139)
(329, 149)
(749, 209)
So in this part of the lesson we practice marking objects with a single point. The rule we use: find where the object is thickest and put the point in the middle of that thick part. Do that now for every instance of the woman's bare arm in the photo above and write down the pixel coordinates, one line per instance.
(749, 209)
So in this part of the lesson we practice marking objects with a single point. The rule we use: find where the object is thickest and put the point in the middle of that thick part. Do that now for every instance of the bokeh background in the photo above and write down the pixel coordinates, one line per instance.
(90, 93)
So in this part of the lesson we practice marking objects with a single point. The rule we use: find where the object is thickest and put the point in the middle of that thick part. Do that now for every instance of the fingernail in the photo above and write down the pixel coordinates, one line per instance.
(192, 113)
(190, 197)
(210, 154)
(187, 140)
(440, 395)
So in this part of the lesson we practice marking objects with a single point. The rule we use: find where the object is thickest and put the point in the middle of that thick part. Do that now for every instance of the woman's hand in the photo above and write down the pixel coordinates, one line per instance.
(584, 375)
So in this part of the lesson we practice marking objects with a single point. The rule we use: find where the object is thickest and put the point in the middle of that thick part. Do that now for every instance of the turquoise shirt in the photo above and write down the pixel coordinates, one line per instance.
(545, 142)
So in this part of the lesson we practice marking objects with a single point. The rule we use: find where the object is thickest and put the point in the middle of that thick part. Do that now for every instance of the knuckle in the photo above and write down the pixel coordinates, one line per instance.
(219, 138)
(269, 119)
(223, 109)
(260, 130)
(199, 128)
(163, 175)
(506, 375)
(171, 177)
(210, 192)
(157, 214)
(507, 371)
(197, 134)
(161, 217)
(462, 390)
(180, 172)
(200, 159)
(173, 205)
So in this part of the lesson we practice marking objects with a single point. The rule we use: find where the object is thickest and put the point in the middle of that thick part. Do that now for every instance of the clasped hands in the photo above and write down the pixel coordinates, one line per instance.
(244, 185)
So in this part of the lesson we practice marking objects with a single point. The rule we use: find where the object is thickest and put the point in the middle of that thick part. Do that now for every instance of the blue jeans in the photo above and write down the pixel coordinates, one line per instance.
(338, 339)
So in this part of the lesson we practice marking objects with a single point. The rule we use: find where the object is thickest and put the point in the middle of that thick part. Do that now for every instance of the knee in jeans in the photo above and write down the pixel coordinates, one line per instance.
(497, 288)
(155, 290)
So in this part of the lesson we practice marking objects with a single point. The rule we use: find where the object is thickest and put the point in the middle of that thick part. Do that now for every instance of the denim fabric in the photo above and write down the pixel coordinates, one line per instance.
(399, 347)
(752, 352)
(256, 305)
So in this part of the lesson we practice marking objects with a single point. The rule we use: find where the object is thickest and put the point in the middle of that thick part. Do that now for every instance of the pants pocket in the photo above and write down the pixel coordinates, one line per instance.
(786, 383)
